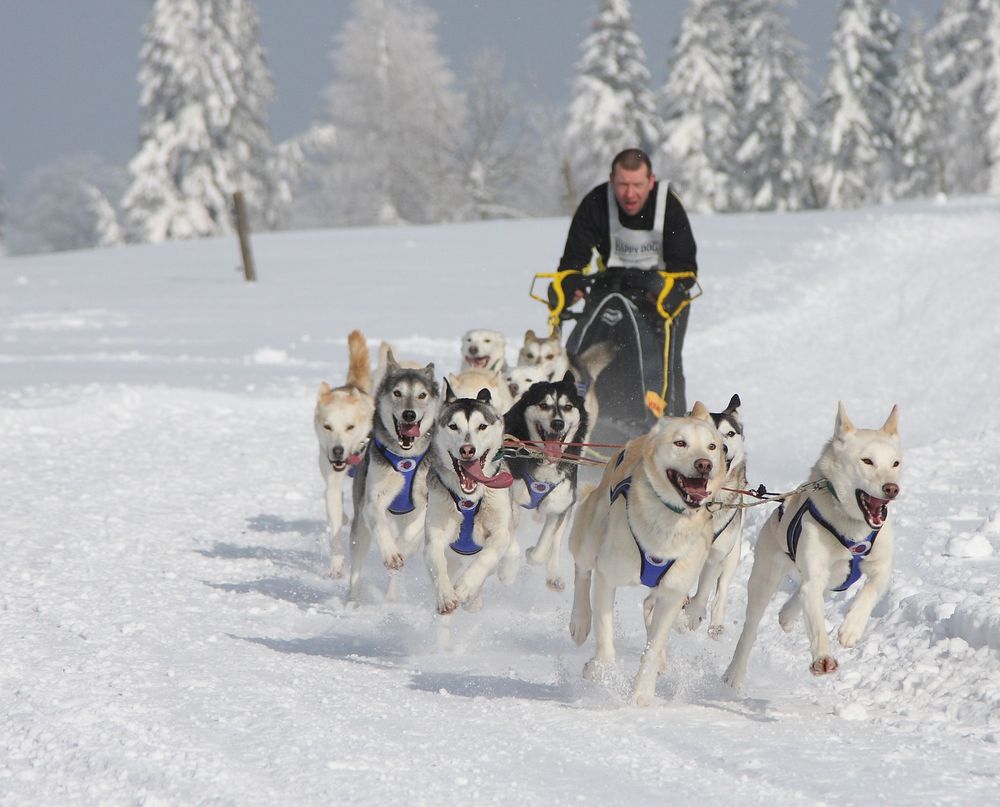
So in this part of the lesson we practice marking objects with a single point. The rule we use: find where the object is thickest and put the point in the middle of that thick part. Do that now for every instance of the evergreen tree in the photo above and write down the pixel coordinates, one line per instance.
(699, 102)
(854, 163)
(775, 131)
(612, 107)
(991, 91)
(205, 89)
(918, 161)
(398, 118)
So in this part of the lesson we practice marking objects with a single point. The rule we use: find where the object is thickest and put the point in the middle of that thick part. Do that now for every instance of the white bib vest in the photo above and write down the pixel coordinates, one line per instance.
(636, 249)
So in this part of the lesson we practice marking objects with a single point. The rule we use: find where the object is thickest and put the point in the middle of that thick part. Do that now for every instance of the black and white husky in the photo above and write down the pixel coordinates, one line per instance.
(727, 527)
(390, 490)
(548, 415)
(468, 527)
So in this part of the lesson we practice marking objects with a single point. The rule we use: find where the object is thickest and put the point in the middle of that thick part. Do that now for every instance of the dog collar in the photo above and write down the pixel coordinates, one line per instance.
(859, 549)
(407, 467)
(651, 568)
(465, 545)
(537, 491)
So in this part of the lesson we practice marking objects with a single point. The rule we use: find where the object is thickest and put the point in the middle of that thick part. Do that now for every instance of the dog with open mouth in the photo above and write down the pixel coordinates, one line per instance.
(828, 536)
(550, 418)
(646, 524)
(343, 423)
(483, 349)
(468, 526)
(390, 489)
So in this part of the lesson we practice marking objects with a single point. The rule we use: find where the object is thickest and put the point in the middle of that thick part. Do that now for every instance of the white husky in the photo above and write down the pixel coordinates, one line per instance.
(646, 524)
(468, 383)
(829, 537)
(483, 349)
(343, 422)
(468, 501)
(390, 491)
(727, 528)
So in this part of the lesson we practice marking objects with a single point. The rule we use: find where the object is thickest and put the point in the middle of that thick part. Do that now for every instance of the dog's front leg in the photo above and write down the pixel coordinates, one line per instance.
(581, 616)
(483, 563)
(547, 549)
(665, 609)
(335, 521)
(811, 597)
(717, 624)
(376, 515)
(861, 609)
(604, 629)
(435, 549)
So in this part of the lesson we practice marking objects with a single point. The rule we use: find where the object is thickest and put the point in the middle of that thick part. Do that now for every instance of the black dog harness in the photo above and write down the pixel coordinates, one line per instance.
(407, 466)
(859, 549)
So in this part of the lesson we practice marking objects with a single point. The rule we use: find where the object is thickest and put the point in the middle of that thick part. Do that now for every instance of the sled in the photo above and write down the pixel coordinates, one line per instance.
(637, 321)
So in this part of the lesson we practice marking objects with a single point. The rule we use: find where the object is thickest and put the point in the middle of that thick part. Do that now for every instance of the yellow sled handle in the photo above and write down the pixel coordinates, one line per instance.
(555, 312)
(669, 278)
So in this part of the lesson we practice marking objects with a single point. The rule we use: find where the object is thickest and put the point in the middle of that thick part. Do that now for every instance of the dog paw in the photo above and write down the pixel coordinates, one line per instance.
(824, 665)
(642, 698)
(733, 678)
(716, 631)
(533, 557)
(394, 562)
(447, 604)
(579, 628)
(473, 604)
(850, 634)
(510, 565)
(597, 670)
(556, 584)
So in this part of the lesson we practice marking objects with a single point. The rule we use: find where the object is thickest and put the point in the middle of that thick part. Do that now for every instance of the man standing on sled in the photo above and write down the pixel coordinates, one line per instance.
(638, 300)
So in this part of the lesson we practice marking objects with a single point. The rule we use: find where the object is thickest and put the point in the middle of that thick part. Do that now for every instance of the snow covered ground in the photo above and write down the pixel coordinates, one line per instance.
(169, 636)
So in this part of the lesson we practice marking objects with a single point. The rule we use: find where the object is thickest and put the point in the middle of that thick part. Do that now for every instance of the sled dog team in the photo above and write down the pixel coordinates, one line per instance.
(430, 472)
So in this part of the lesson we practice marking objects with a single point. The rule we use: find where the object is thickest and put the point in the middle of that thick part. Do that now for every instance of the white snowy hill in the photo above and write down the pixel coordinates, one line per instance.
(169, 637)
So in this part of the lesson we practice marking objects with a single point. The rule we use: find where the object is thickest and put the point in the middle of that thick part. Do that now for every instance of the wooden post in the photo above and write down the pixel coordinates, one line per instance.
(243, 230)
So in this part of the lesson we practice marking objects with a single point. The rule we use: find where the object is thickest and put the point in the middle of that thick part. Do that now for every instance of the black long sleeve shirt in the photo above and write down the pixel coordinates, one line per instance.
(589, 229)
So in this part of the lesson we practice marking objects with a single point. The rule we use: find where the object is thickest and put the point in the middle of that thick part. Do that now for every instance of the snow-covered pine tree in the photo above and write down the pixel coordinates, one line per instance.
(398, 117)
(854, 159)
(698, 102)
(775, 130)
(612, 106)
(204, 91)
(917, 170)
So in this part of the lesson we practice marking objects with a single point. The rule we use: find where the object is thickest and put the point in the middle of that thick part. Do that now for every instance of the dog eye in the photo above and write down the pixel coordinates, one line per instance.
(712, 446)
(867, 461)
(548, 357)
(730, 434)
(544, 407)
(482, 427)
(680, 443)
(422, 395)
(895, 464)
(350, 428)
(567, 407)
(397, 394)
(453, 427)
(329, 429)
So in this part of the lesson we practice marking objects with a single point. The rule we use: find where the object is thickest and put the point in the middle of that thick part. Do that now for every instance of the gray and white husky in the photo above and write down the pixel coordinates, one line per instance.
(390, 491)
(829, 536)
(468, 528)
(727, 527)
(548, 415)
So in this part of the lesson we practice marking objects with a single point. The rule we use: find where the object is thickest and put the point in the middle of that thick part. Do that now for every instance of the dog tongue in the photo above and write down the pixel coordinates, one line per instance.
(503, 479)
(552, 449)
(409, 429)
(355, 459)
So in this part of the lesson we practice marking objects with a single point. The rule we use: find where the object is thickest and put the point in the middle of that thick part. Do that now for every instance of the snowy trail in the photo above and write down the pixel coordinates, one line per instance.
(170, 637)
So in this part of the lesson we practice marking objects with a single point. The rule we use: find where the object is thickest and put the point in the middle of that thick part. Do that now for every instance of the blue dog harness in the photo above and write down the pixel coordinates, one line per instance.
(537, 491)
(653, 568)
(469, 510)
(407, 466)
(859, 549)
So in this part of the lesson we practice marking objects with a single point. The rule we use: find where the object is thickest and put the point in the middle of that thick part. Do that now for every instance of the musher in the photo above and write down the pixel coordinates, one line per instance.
(638, 226)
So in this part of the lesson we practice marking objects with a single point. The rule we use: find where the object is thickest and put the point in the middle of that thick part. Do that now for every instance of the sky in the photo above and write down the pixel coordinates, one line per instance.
(169, 633)
(68, 68)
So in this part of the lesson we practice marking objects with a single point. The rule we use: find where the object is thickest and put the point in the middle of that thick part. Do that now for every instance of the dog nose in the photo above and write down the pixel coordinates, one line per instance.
(891, 490)
(468, 452)
(512, 388)
(473, 350)
(558, 425)
(337, 452)
(703, 466)
(409, 415)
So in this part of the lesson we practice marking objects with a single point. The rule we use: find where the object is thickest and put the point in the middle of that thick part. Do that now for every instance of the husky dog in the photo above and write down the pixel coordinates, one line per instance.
(551, 358)
(343, 423)
(549, 414)
(829, 537)
(646, 524)
(519, 378)
(483, 349)
(390, 491)
(727, 528)
(468, 501)
(468, 383)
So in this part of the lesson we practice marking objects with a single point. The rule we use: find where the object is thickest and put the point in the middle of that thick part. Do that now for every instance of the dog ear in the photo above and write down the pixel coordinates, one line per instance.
(529, 335)
(429, 371)
(734, 404)
(569, 378)
(390, 359)
(700, 412)
(484, 396)
(449, 393)
(324, 388)
(843, 426)
(891, 426)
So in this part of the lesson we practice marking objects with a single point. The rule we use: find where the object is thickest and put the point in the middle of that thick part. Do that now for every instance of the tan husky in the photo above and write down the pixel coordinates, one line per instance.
(343, 421)
(829, 537)
(646, 524)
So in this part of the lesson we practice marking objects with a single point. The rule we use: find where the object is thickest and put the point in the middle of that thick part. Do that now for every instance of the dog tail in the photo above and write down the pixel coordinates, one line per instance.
(359, 370)
(596, 358)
